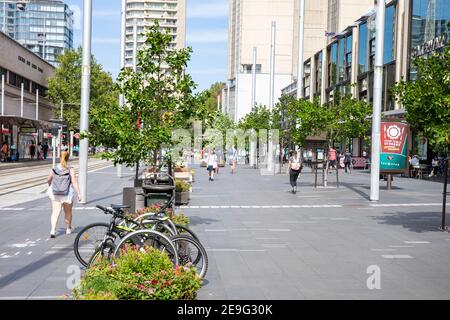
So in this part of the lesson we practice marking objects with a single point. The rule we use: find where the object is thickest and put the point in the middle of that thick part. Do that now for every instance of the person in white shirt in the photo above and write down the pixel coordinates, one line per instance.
(212, 164)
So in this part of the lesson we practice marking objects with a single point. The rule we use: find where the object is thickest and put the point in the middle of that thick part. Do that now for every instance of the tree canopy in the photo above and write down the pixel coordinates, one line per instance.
(65, 86)
(427, 99)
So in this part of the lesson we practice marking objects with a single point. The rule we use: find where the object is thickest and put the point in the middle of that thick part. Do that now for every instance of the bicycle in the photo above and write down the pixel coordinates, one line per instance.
(118, 227)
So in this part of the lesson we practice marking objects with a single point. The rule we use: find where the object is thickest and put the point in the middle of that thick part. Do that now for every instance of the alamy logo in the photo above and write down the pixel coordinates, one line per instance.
(73, 281)
(374, 280)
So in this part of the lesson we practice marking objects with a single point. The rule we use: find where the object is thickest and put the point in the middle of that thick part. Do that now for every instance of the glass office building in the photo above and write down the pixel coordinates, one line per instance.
(43, 26)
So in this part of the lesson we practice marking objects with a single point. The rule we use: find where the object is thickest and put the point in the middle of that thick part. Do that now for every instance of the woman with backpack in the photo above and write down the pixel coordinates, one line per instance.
(63, 185)
(294, 169)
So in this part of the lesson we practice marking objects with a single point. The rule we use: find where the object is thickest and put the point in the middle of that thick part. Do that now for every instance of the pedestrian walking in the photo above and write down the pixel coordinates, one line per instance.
(332, 157)
(294, 169)
(5, 151)
(347, 161)
(232, 159)
(212, 165)
(32, 150)
(63, 191)
(45, 150)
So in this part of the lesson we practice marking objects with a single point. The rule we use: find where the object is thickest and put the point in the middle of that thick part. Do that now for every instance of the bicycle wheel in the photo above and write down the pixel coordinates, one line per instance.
(191, 252)
(107, 251)
(87, 241)
(182, 230)
(148, 238)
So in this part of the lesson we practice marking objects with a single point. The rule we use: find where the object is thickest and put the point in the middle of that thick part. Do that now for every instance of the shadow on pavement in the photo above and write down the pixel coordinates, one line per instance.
(27, 270)
(353, 187)
(195, 220)
(413, 221)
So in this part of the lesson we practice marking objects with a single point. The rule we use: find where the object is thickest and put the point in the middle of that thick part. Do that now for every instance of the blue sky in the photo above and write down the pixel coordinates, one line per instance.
(206, 33)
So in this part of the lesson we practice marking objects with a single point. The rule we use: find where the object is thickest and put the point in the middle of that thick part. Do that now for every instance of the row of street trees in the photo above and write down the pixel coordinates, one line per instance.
(160, 98)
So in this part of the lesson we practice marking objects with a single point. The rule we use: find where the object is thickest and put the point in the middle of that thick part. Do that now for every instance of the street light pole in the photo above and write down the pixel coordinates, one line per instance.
(37, 104)
(301, 38)
(85, 96)
(21, 99)
(377, 96)
(122, 65)
(270, 163)
(254, 77)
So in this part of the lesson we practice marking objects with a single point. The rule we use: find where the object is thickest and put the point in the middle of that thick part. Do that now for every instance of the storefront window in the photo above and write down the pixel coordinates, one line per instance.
(428, 25)
(389, 36)
(332, 64)
(362, 48)
(318, 68)
(348, 58)
(341, 64)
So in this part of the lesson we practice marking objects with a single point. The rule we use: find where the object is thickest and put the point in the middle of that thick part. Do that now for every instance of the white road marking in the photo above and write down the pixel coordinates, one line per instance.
(12, 209)
(383, 249)
(245, 229)
(268, 238)
(340, 219)
(405, 204)
(29, 253)
(401, 246)
(397, 256)
(264, 206)
(416, 242)
(274, 245)
(17, 253)
(236, 250)
(100, 169)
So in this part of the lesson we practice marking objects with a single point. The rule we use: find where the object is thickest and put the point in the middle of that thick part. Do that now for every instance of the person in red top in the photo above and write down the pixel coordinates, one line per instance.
(332, 157)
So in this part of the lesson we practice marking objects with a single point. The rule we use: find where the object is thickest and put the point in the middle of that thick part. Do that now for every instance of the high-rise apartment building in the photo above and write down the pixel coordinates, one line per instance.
(171, 15)
(250, 26)
(43, 26)
(250, 23)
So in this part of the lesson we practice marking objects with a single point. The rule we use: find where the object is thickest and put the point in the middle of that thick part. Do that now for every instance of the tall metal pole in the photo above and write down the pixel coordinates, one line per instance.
(271, 96)
(21, 100)
(301, 38)
(377, 95)
(236, 61)
(85, 96)
(272, 68)
(254, 77)
(3, 94)
(122, 65)
(37, 104)
(218, 102)
(228, 97)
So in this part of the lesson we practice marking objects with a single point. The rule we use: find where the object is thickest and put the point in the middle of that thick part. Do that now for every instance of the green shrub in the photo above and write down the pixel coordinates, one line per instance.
(182, 186)
(180, 219)
(139, 275)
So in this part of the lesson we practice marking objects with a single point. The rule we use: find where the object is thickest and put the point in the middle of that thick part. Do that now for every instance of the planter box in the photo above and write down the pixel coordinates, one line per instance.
(182, 169)
(182, 197)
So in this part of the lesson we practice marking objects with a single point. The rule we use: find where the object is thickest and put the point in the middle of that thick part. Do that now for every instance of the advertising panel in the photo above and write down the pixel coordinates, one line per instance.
(394, 147)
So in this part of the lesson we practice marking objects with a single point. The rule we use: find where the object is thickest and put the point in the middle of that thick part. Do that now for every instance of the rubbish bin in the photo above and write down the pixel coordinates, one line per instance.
(133, 197)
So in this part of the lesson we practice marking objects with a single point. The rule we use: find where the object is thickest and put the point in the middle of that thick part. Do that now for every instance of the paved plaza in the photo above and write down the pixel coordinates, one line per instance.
(263, 242)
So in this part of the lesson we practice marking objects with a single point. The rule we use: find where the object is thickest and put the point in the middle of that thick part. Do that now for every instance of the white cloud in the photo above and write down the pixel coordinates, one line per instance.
(207, 36)
(209, 10)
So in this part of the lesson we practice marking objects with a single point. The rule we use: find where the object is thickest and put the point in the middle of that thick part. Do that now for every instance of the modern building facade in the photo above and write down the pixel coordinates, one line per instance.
(25, 110)
(346, 65)
(170, 14)
(250, 27)
(42, 26)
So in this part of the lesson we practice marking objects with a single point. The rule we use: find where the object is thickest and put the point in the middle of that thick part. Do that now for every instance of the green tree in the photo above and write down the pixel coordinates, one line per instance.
(159, 98)
(427, 99)
(212, 93)
(65, 86)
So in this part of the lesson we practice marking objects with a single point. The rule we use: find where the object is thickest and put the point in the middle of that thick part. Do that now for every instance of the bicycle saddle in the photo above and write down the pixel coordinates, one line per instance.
(118, 206)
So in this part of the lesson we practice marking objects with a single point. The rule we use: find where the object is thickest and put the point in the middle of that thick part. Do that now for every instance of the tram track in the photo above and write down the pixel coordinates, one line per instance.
(41, 180)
